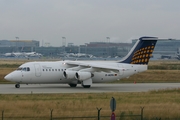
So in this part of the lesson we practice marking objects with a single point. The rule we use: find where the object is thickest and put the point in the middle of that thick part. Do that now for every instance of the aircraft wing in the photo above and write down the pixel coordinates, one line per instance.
(94, 67)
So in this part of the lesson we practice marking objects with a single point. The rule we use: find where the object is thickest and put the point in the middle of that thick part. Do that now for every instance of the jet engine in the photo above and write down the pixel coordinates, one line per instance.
(69, 74)
(83, 75)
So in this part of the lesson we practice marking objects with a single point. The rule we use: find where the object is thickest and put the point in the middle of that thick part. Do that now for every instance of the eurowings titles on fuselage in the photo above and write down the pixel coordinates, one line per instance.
(86, 72)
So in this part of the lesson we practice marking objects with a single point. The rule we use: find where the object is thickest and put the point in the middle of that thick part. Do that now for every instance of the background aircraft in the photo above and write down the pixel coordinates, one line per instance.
(23, 54)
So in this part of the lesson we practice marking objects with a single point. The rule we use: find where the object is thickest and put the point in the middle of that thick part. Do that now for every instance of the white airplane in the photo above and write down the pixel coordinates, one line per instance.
(9, 55)
(32, 54)
(86, 72)
(23, 54)
(13, 54)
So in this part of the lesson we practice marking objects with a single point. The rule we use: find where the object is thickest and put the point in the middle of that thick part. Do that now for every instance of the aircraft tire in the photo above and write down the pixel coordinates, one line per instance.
(17, 85)
(86, 86)
(72, 85)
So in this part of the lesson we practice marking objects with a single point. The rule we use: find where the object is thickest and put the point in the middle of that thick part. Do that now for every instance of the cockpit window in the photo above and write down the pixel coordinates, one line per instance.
(28, 69)
(23, 69)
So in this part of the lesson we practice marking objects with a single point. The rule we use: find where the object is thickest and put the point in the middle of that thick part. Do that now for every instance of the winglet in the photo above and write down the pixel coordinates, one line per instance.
(141, 51)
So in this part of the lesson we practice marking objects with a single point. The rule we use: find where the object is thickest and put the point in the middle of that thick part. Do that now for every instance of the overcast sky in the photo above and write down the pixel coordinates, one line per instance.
(84, 21)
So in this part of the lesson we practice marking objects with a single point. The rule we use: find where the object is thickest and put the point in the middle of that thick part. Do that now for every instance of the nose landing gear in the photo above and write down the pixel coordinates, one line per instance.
(17, 85)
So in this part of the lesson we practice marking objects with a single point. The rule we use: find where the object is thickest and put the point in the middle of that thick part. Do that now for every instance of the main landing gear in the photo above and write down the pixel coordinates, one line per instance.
(72, 85)
(17, 85)
(86, 86)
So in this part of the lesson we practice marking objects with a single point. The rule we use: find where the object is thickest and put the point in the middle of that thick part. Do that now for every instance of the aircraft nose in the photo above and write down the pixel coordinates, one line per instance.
(8, 77)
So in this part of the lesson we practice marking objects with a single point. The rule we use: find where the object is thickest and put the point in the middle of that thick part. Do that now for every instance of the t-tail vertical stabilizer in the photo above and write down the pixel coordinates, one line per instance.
(141, 52)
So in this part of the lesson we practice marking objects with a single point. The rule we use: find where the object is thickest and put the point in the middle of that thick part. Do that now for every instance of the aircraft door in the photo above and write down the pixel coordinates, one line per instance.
(37, 70)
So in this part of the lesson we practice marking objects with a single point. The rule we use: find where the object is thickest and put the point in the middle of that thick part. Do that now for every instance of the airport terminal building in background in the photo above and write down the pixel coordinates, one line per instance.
(7, 46)
(98, 49)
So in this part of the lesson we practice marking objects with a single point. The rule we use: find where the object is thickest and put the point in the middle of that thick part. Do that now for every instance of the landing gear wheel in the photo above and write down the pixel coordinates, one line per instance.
(72, 85)
(86, 86)
(17, 85)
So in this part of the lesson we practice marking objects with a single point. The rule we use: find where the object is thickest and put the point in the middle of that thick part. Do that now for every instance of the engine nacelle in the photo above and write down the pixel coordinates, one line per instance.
(83, 75)
(69, 74)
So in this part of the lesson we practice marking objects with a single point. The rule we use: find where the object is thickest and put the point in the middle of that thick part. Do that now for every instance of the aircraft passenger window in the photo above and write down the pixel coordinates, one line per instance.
(43, 69)
(62, 69)
(46, 70)
(49, 69)
(52, 69)
(55, 69)
(58, 69)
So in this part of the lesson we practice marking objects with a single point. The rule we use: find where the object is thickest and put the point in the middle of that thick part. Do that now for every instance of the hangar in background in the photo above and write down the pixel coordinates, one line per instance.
(18, 45)
(106, 49)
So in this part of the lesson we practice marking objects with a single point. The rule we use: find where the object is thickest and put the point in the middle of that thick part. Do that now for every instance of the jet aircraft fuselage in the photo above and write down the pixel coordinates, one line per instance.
(86, 72)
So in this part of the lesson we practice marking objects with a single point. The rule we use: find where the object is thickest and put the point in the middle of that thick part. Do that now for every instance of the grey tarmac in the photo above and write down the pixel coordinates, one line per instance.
(95, 88)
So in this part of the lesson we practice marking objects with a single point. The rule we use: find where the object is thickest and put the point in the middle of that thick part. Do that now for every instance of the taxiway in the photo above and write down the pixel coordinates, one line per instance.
(96, 88)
